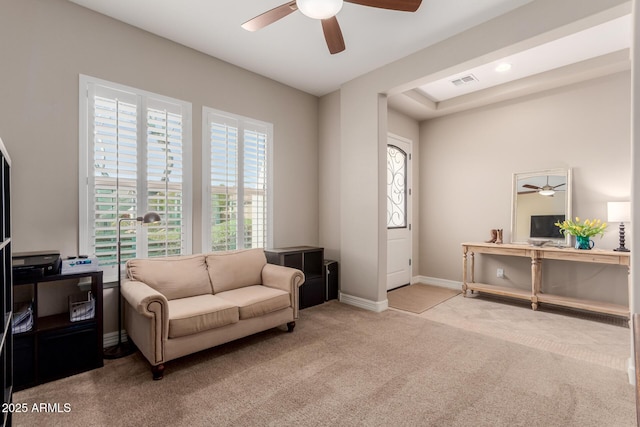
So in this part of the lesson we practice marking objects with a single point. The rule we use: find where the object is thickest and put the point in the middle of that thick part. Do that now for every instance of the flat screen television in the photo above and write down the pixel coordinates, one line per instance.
(544, 226)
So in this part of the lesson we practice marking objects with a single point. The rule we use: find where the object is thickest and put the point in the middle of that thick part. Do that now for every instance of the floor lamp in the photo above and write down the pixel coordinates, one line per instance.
(619, 212)
(124, 349)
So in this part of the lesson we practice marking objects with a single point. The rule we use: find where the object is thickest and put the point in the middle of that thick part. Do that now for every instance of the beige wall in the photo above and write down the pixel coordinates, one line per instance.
(47, 44)
(329, 174)
(468, 159)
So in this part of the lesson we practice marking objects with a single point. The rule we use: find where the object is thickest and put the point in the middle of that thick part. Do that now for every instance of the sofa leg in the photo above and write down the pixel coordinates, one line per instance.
(157, 371)
(290, 326)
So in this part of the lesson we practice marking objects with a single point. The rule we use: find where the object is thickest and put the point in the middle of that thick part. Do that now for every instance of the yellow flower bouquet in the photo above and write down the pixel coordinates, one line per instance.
(586, 228)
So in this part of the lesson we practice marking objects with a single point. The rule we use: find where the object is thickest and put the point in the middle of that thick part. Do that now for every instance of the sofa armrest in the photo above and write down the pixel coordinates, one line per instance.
(284, 278)
(149, 303)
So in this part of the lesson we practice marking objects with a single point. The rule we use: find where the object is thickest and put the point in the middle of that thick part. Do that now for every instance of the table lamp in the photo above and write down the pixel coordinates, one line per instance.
(619, 212)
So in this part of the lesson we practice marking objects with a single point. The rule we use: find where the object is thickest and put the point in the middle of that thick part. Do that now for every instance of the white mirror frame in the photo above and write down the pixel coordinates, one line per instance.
(515, 238)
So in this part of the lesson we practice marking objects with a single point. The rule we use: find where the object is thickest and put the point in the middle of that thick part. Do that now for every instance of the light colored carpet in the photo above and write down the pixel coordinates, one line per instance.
(419, 297)
(590, 337)
(344, 366)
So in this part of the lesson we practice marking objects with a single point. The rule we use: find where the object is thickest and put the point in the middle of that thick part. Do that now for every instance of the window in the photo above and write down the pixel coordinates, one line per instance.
(135, 151)
(236, 174)
(396, 187)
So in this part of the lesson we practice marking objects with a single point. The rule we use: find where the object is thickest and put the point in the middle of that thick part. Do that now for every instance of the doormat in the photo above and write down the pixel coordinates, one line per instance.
(419, 297)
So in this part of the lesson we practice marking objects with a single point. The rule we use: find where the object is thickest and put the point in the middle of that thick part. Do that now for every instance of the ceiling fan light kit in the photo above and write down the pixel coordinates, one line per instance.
(319, 9)
(325, 11)
(546, 190)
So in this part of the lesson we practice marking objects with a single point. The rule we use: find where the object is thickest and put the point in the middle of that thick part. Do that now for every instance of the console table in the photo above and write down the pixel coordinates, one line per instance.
(537, 255)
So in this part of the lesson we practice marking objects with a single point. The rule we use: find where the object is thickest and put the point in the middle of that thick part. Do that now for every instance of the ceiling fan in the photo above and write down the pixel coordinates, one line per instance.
(546, 190)
(325, 11)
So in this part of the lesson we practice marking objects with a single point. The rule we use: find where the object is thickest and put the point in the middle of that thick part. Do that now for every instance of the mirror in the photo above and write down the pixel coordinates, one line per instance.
(539, 200)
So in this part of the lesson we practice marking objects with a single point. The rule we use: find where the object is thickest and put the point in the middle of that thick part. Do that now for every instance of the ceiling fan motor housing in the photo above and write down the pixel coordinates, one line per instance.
(319, 9)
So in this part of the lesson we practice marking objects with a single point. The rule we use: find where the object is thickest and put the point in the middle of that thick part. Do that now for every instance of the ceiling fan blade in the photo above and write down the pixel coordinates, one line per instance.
(270, 16)
(559, 185)
(526, 192)
(401, 5)
(531, 186)
(333, 35)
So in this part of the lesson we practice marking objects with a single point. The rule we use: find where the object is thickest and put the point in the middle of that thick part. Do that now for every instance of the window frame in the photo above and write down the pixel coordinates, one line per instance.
(144, 100)
(243, 123)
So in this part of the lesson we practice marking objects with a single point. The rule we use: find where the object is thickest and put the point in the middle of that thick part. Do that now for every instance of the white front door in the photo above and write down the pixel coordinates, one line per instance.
(398, 212)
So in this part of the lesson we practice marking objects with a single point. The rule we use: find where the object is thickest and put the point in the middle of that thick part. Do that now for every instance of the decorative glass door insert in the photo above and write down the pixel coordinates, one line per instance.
(396, 187)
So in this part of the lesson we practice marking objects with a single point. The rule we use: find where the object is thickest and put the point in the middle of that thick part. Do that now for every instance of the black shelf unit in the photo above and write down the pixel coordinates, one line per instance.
(308, 259)
(56, 347)
(6, 341)
(332, 290)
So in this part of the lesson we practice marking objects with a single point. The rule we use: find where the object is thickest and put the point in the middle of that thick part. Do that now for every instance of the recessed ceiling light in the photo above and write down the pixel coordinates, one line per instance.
(505, 66)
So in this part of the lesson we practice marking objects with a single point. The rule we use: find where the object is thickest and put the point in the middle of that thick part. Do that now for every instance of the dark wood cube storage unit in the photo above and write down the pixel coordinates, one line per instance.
(6, 293)
(308, 259)
(56, 347)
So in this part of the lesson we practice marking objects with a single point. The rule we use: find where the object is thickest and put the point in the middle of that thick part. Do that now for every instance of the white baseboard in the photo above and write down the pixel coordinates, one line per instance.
(111, 338)
(444, 283)
(377, 306)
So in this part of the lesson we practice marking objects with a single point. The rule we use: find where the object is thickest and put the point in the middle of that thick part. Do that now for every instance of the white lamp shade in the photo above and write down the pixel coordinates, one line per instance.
(319, 9)
(619, 211)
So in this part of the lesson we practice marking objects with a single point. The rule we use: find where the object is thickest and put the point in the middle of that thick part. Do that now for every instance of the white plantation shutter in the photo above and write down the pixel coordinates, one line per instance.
(165, 192)
(255, 187)
(223, 215)
(114, 173)
(135, 147)
(236, 197)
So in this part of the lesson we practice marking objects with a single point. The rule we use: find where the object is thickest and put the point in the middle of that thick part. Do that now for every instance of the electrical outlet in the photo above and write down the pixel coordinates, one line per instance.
(500, 273)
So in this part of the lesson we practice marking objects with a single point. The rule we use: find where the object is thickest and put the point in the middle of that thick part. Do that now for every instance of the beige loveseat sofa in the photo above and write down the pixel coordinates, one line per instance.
(176, 306)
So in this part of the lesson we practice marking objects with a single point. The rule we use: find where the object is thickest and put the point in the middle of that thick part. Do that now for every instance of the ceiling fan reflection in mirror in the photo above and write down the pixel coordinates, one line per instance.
(546, 190)
(326, 11)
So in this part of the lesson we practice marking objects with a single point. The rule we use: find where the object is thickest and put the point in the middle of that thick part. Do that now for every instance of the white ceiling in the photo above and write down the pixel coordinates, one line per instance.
(293, 51)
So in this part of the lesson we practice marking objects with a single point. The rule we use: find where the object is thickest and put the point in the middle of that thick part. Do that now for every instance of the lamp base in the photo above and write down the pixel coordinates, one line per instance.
(119, 350)
(621, 247)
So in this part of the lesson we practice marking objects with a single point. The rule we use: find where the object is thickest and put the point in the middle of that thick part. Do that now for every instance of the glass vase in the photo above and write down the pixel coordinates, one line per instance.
(584, 243)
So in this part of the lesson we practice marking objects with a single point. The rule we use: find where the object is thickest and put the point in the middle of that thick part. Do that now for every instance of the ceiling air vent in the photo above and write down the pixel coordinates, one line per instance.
(464, 80)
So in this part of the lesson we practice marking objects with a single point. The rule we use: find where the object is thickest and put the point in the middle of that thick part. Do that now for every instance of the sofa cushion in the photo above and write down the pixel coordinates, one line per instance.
(174, 277)
(235, 269)
(255, 301)
(195, 314)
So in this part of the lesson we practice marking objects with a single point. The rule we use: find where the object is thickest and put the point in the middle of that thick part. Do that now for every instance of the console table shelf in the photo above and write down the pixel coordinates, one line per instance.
(500, 290)
(537, 255)
(582, 304)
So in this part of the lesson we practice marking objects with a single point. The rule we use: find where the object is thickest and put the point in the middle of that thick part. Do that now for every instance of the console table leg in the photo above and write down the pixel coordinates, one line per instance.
(464, 271)
(473, 268)
(536, 279)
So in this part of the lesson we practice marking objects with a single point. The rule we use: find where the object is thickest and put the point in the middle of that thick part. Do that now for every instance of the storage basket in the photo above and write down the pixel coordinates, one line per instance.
(81, 307)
